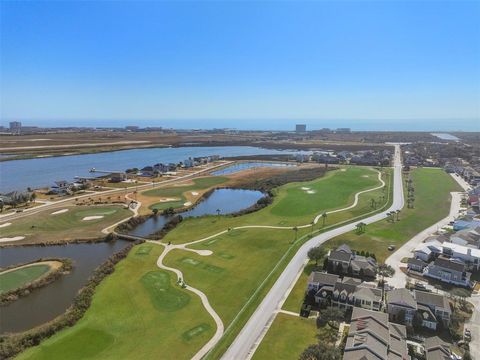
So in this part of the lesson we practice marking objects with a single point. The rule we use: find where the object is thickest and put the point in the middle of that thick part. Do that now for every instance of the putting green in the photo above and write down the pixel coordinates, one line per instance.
(20, 277)
(163, 296)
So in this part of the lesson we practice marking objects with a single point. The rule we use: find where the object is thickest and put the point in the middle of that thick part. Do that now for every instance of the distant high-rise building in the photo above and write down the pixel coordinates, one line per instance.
(15, 126)
(300, 128)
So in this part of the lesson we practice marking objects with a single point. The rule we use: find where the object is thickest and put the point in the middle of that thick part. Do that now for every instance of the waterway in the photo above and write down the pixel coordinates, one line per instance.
(41, 172)
(227, 201)
(445, 136)
(46, 303)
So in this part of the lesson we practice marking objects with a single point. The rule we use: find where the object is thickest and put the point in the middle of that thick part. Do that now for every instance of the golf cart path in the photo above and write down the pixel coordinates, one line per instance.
(220, 326)
(246, 342)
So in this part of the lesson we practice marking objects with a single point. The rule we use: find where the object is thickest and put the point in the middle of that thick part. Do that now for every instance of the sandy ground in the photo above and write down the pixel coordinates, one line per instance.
(194, 193)
(188, 203)
(311, 191)
(59, 212)
(168, 199)
(5, 225)
(15, 238)
(94, 217)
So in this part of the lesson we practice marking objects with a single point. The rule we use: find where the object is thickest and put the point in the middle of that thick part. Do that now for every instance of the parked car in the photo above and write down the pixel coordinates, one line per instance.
(391, 247)
(19, 210)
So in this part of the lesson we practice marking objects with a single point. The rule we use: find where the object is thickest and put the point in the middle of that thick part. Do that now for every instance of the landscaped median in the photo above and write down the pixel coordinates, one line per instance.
(126, 319)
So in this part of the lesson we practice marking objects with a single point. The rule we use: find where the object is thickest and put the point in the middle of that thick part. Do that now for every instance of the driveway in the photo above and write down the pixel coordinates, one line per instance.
(394, 260)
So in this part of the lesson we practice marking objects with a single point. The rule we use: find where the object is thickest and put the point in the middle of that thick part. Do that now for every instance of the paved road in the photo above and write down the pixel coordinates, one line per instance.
(244, 344)
(400, 278)
(474, 326)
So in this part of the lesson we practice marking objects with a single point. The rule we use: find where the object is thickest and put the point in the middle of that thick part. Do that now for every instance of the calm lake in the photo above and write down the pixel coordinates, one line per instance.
(46, 303)
(226, 200)
(35, 173)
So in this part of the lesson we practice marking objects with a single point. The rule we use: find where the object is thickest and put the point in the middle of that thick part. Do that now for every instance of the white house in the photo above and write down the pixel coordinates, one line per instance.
(470, 256)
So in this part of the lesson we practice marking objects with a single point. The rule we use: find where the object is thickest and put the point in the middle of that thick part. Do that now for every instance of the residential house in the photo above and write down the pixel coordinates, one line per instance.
(118, 177)
(437, 304)
(427, 251)
(468, 255)
(188, 163)
(449, 271)
(372, 336)
(61, 187)
(161, 168)
(351, 292)
(465, 224)
(436, 349)
(414, 264)
(343, 260)
(467, 237)
(401, 306)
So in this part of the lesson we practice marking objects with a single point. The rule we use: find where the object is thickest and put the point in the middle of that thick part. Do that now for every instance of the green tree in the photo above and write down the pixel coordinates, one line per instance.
(332, 315)
(315, 254)
(155, 211)
(321, 351)
(324, 219)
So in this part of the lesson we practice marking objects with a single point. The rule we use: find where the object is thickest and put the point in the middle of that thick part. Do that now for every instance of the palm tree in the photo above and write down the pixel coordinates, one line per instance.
(218, 212)
(324, 218)
(398, 213)
(313, 224)
(296, 232)
(373, 203)
(359, 228)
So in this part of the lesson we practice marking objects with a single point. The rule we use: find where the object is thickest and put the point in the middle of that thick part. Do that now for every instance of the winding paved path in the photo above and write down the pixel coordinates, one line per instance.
(220, 326)
(249, 337)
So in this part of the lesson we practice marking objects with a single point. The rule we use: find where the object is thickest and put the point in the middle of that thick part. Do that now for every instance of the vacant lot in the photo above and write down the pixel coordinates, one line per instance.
(77, 222)
(138, 312)
(288, 337)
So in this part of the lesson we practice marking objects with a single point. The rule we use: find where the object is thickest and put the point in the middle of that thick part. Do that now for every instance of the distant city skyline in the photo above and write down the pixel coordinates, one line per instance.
(108, 61)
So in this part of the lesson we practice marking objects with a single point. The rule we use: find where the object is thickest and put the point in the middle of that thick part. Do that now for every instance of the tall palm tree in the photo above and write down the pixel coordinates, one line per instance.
(324, 218)
(218, 212)
(296, 232)
(398, 213)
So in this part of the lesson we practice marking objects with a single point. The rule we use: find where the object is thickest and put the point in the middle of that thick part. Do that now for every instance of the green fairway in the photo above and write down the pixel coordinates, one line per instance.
(17, 278)
(243, 266)
(432, 203)
(45, 226)
(287, 337)
(138, 312)
(285, 196)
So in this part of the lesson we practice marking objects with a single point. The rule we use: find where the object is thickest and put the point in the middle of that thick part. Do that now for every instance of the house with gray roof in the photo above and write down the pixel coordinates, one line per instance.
(401, 306)
(438, 304)
(343, 260)
(372, 337)
(416, 264)
(437, 349)
(449, 271)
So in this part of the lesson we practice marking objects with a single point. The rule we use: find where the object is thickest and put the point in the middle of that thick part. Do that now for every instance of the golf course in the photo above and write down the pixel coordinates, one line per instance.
(246, 258)
(19, 277)
(69, 223)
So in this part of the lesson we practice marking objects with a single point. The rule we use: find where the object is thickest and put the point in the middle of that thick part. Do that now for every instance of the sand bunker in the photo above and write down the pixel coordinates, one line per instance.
(95, 217)
(59, 212)
(343, 169)
(5, 225)
(167, 199)
(15, 238)
(194, 193)
(188, 203)
(305, 188)
(311, 191)
(365, 176)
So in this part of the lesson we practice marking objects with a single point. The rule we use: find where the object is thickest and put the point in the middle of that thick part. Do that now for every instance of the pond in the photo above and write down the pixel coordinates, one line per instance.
(45, 303)
(248, 165)
(227, 201)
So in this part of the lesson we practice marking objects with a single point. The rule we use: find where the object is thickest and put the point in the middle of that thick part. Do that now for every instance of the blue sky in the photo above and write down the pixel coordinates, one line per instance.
(167, 61)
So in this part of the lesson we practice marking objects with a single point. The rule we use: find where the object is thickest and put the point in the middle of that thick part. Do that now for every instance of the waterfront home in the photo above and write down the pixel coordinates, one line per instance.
(449, 271)
(188, 163)
(372, 336)
(118, 177)
(161, 168)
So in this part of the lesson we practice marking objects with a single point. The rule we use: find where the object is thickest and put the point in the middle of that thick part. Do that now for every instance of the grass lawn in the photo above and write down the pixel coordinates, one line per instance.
(285, 198)
(432, 203)
(243, 266)
(288, 337)
(179, 192)
(19, 277)
(296, 296)
(45, 227)
(138, 312)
